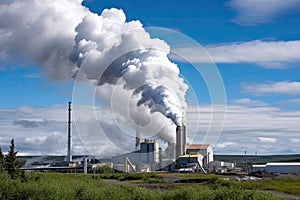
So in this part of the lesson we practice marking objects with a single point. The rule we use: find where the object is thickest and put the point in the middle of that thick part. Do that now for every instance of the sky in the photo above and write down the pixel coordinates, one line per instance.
(248, 49)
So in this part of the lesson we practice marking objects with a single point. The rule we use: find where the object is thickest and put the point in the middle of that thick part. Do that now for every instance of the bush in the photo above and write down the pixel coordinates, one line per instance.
(103, 169)
(82, 186)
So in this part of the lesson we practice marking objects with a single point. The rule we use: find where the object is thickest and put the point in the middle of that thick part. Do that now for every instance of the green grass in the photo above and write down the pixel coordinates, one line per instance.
(81, 186)
(131, 176)
(286, 185)
(189, 176)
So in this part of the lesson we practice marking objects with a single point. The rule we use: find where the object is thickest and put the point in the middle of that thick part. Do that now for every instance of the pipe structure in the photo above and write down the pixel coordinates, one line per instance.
(69, 154)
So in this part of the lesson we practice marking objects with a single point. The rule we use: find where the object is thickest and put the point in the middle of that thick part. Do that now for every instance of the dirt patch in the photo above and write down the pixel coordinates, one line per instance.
(193, 180)
(290, 175)
(262, 174)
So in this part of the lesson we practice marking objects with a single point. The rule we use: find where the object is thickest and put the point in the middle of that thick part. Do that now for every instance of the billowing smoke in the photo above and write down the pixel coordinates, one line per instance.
(63, 37)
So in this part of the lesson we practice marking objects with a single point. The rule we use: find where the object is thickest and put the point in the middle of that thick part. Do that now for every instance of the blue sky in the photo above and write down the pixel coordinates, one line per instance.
(255, 45)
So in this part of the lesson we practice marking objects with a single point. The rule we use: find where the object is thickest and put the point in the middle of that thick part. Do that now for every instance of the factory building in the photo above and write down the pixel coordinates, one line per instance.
(144, 160)
(221, 166)
(280, 167)
(190, 163)
(176, 157)
(255, 168)
(205, 150)
(149, 151)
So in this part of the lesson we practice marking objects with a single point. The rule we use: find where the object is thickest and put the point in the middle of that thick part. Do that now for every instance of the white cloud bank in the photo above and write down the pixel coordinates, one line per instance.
(284, 87)
(248, 126)
(267, 140)
(253, 12)
(245, 123)
(268, 54)
(293, 101)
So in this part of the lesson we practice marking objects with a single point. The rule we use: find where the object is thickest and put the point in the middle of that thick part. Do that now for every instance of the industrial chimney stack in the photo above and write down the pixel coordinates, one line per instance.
(69, 154)
(184, 138)
(137, 138)
(180, 140)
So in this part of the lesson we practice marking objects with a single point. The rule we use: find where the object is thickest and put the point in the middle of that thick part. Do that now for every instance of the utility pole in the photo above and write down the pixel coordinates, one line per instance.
(246, 169)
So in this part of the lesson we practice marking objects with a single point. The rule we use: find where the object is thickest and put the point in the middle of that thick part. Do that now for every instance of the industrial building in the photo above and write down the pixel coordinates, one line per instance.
(278, 167)
(145, 160)
(205, 150)
(149, 157)
(221, 166)
(177, 157)
(190, 163)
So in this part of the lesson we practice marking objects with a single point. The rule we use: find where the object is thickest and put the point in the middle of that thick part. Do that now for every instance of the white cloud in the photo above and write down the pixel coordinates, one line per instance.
(43, 130)
(266, 140)
(245, 125)
(35, 140)
(249, 102)
(225, 145)
(268, 54)
(295, 140)
(252, 12)
(284, 87)
(293, 101)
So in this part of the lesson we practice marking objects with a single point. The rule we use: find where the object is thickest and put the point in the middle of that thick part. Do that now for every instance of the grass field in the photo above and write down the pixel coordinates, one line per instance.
(137, 186)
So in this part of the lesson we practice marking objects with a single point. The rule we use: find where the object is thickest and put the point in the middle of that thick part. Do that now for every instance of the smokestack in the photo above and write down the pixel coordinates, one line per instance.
(160, 158)
(69, 155)
(178, 141)
(137, 139)
(184, 138)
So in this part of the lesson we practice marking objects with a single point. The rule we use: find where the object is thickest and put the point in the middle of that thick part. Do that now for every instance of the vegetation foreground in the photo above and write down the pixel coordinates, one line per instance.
(82, 186)
(16, 184)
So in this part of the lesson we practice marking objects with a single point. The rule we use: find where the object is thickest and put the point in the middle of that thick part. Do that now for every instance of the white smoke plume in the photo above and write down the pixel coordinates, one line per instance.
(62, 37)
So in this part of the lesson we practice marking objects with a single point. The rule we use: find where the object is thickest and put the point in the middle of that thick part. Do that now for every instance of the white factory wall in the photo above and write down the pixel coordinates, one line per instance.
(221, 164)
(207, 153)
(147, 158)
(277, 167)
(256, 168)
(283, 167)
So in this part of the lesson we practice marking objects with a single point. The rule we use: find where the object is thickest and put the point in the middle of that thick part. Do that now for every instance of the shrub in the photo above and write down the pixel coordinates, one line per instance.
(103, 169)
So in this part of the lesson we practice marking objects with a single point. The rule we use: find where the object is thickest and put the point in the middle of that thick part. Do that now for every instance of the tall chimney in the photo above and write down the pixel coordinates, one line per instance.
(137, 138)
(69, 155)
(178, 141)
(184, 139)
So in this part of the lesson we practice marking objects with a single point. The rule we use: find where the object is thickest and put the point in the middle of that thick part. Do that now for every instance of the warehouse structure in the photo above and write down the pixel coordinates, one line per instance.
(205, 150)
(177, 156)
(278, 167)
(144, 160)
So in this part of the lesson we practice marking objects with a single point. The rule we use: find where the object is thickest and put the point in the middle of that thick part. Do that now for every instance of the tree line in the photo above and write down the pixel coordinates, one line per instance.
(10, 164)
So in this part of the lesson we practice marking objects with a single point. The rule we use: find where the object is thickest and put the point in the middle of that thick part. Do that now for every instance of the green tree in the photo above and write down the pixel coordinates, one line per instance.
(12, 165)
(1, 161)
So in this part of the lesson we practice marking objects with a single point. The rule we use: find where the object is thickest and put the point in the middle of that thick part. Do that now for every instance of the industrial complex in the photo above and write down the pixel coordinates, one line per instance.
(180, 157)
(148, 156)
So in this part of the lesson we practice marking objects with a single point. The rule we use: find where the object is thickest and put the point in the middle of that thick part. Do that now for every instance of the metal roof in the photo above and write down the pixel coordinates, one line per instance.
(191, 156)
(259, 165)
(283, 163)
(197, 146)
